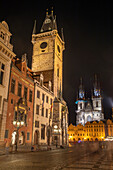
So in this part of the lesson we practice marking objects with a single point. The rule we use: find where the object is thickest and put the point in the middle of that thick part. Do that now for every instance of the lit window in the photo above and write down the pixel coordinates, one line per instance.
(30, 95)
(19, 89)
(25, 92)
(13, 86)
(2, 70)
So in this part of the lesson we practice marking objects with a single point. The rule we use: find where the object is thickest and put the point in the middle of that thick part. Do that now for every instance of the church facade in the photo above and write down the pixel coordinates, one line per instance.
(89, 110)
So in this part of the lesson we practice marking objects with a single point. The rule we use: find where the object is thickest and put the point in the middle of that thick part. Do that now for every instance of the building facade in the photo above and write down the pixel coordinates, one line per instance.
(6, 54)
(92, 131)
(43, 111)
(47, 60)
(89, 110)
(20, 104)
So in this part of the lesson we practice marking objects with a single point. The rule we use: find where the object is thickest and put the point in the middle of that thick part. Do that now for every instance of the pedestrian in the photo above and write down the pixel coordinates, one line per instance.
(7, 148)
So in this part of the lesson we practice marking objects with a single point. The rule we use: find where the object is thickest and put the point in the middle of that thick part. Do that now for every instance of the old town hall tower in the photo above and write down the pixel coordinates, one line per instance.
(48, 49)
(47, 60)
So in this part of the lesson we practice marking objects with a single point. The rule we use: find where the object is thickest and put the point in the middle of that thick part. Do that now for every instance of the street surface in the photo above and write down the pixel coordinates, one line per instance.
(72, 158)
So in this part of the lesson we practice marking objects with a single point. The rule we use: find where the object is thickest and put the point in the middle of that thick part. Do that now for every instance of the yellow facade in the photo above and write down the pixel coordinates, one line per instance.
(92, 131)
(109, 128)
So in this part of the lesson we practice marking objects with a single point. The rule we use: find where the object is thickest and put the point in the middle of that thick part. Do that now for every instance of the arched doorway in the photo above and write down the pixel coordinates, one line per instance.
(36, 137)
(13, 140)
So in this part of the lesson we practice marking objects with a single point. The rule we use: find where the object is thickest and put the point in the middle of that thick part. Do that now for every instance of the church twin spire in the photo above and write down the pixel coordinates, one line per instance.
(96, 89)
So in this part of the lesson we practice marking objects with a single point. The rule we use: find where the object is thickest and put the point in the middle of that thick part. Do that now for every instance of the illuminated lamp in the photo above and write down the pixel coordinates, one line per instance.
(14, 123)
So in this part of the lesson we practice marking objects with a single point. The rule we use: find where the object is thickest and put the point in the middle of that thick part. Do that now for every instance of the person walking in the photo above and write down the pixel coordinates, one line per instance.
(7, 148)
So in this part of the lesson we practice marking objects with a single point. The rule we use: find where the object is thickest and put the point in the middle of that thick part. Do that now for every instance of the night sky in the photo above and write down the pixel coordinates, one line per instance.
(88, 33)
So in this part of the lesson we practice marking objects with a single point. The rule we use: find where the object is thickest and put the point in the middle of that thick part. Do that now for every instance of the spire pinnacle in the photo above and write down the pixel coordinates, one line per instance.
(34, 28)
(52, 11)
(80, 80)
(46, 12)
(62, 34)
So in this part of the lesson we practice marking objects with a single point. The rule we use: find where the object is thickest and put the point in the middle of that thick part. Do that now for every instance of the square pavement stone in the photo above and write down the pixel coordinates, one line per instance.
(75, 169)
(108, 167)
(82, 166)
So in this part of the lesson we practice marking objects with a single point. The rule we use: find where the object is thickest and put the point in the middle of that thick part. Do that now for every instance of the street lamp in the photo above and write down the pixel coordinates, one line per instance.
(17, 124)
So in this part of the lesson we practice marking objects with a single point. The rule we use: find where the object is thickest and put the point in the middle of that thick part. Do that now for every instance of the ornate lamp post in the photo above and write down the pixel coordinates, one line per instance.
(17, 124)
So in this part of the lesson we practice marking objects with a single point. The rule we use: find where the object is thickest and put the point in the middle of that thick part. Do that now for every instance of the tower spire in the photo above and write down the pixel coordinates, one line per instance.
(34, 28)
(62, 34)
(81, 90)
(52, 11)
(46, 12)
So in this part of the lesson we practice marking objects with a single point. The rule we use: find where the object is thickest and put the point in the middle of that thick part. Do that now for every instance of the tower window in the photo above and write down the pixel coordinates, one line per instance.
(96, 104)
(2, 70)
(58, 72)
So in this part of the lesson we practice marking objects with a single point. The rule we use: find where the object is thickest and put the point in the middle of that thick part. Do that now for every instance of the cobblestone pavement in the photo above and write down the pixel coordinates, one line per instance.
(67, 159)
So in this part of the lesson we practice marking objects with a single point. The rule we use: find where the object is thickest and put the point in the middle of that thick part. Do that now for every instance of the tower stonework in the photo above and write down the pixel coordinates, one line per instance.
(48, 53)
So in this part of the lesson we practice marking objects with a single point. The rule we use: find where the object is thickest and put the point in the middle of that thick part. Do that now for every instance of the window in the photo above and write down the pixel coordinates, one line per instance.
(46, 99)
(37, 109)
(2, 70)
(2, 35)
(25, 92)
(42, 112)
(46, 112)
(43, 96)
(42, 131)
(6, 133)
(80, 105)
(13, 86)
(0, 101)
(25, 119)
(28, 135)
(57, 72)
(38, 94)
(11, 101)
(19, 89)
(96, 104)
(30, 95)
(37, 124)
(15, 115)
(50, 101)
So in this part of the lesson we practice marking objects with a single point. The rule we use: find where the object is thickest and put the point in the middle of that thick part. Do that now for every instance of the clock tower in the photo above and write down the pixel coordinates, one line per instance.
(47, 56)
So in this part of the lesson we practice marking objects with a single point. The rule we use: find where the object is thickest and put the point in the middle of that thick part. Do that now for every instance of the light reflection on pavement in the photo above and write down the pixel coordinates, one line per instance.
(66, 159)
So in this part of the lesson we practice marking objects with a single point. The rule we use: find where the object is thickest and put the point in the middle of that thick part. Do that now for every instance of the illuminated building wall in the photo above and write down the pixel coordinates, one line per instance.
(20, 102)
(88, 111)
(6, 54)
(47, 59)
(92, 131)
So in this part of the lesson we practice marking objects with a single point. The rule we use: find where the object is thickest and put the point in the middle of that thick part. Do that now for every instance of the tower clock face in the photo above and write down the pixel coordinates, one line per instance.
(43, 45)
(58, 48)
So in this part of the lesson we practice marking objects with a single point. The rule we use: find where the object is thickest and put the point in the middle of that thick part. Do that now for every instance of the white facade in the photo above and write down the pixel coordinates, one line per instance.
(43, 111)
(6, 54)
(88, 111)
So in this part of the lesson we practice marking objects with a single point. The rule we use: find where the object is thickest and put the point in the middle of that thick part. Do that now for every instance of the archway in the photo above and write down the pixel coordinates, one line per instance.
(13, 140)
(36, 137)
